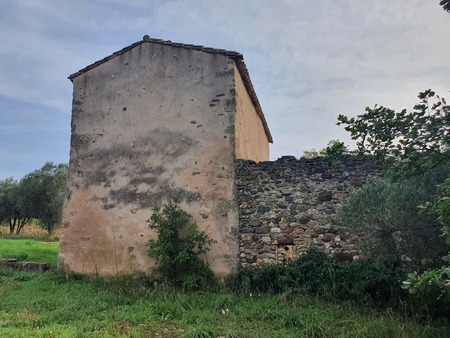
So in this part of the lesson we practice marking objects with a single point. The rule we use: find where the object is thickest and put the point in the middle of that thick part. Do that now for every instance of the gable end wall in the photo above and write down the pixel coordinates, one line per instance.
(152, 124)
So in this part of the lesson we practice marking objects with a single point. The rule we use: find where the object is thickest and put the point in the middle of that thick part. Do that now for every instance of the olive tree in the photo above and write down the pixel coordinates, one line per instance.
(48, 189)
(13, 207)
(414, 147)
(38, 195)
(384, 215)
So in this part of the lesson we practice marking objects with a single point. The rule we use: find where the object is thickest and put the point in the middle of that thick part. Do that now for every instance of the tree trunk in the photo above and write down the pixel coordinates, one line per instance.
(12, 225)
(21, 224)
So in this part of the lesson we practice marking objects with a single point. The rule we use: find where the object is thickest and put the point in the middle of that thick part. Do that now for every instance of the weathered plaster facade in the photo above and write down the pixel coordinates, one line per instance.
(251, 139)
(152, 122)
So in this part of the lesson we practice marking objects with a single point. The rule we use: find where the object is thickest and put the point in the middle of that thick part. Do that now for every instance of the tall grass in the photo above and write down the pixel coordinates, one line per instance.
(30, 231)
(58, 305)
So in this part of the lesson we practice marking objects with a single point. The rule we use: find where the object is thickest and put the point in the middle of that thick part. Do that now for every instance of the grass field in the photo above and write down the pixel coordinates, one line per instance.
(29, 250)
(57, 305)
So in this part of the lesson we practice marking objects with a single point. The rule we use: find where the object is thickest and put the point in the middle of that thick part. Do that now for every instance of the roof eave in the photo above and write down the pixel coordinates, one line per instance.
(254, 98)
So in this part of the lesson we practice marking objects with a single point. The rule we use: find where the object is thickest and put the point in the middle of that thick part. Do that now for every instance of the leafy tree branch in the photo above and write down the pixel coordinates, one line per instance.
(410, 141)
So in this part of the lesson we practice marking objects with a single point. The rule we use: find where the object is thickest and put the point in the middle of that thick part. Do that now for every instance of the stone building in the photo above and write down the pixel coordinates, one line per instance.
(154, 121)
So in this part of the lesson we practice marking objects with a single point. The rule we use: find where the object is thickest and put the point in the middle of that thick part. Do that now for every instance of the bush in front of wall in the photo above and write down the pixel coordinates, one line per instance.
(178, 247)
(430, 292)
(319, 275)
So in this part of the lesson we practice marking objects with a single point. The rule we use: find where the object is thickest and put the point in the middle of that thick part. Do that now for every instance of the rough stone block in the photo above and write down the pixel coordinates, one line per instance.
(304, 219)
(266, 239)
(261, 230)
(263, 208)
(254, 223)
(325, 196)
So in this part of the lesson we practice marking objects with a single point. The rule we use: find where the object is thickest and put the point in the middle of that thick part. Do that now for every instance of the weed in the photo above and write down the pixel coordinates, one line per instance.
(178, 247)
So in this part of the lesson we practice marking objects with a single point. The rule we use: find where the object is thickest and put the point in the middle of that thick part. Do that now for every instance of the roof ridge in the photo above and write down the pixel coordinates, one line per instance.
(147, 39)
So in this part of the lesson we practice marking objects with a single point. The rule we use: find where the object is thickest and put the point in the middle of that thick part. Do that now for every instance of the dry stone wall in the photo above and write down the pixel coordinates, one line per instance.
(289, 206)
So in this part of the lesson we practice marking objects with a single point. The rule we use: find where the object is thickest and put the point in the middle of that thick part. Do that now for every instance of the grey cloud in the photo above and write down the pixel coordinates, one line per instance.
(309, 60)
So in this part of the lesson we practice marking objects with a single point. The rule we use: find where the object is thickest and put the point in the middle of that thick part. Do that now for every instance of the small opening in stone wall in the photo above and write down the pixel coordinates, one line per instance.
(285, 251)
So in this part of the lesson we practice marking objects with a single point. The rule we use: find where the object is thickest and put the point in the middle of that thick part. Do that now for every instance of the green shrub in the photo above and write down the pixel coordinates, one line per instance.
(178, 247)
(385, 217)
(319, 275)
(371, 280)
(430, 292)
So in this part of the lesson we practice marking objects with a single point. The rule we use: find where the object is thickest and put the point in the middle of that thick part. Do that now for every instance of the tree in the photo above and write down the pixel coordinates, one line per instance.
(407, 142)
(46, 191)
(332, 151)
(38, 195)
(384, 216)
(414, 147)
(445, 5)
(313, 153)
(13, 206)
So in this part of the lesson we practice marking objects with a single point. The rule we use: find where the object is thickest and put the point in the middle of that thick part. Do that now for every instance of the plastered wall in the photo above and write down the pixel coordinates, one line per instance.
(251, 139)
(154, 123)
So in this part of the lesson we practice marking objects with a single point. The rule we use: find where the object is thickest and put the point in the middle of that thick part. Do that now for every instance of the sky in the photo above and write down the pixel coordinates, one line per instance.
(309, 61)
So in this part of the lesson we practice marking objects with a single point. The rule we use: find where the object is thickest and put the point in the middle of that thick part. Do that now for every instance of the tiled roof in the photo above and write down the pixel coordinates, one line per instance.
(236, 56)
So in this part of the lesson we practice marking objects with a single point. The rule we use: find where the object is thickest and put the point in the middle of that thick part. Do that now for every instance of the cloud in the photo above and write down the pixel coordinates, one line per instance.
(309, 60)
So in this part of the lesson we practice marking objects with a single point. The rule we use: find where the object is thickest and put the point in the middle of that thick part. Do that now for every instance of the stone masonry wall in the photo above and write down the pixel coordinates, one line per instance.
(289, 206)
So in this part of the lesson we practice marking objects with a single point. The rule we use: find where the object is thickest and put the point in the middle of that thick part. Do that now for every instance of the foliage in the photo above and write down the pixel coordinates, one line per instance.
(48, 189)
(440, 207)
(13, 206)
(58, 305)
(38, 195)
(313, 153)
(316, 274)
(384, 216)
(332, 151)
(431, 290)
(445, 5)
(409, 142)
(414, 147)
(178, 247)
